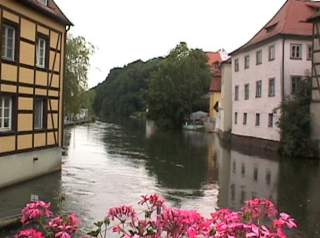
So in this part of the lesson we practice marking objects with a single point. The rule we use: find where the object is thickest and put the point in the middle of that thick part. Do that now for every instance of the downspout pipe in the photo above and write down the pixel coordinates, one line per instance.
(63, 86)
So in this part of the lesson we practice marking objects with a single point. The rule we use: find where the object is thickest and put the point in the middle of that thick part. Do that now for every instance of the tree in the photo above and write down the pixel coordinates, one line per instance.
(176, 88)
(295, 124)
(78, 52)
(123, 93)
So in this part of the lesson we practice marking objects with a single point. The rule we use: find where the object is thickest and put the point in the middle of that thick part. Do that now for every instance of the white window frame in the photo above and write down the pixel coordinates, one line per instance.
(296, 51)
(2, 117)
(247, 62)
(258, 118)
(236, 93)
(245, 119)
(272, 90)
(247, 91)
(272, 52)
(39, 125)
(309, 52)
(259, 89)
(259, 57)
(41, 52)
(5, 45)
(295, 81)
(236, 65)
(270, 120)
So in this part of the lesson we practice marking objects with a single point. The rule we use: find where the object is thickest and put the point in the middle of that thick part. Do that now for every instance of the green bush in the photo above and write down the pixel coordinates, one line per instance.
(295, 124)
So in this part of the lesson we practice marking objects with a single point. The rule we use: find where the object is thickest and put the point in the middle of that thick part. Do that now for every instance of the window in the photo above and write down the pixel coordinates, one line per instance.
(243, 170)
(257, 119)
(309, 53)
(235, 118)
(246, 92)
(41, 53)
(270, 120)
(247, 62)
(8, 42)
(272, 52)
(268, 177)
(5, 113)
(236, 93)
(245, 118)
(233, 192)
(255, 174)
(259, 57)
(236, 65)
(242, 196)
(295, 81)
(296, 51)
(234, 167)
(272, 88)
(258, 89)
(40, 113)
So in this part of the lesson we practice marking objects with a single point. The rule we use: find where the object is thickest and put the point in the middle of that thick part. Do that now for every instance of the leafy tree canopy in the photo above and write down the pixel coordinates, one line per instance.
(178, 86)
(124, 91)
(78, 52)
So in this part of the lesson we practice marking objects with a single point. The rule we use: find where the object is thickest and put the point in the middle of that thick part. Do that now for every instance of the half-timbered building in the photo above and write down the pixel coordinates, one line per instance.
(33, 38)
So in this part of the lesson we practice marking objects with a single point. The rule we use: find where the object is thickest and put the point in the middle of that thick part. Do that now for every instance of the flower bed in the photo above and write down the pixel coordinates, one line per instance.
(258, 218)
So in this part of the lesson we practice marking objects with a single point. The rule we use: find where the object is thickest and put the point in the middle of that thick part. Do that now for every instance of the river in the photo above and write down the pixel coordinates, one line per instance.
(110, 164)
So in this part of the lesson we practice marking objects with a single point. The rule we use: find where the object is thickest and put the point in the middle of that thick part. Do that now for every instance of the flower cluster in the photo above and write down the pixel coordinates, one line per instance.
(35, 210)
(259, 218)
(30, 233)
(64, 227)
(39, 214)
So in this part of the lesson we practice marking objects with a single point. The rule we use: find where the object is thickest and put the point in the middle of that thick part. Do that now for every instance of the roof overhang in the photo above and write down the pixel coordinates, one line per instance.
(63, 20)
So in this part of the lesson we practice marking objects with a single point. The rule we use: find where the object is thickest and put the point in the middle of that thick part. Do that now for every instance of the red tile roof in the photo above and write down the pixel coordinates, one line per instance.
(52, 10)
(214, 61)
(291, 19)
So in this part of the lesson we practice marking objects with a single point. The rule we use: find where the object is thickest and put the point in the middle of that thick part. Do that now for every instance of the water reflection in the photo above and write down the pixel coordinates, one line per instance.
(114, 163)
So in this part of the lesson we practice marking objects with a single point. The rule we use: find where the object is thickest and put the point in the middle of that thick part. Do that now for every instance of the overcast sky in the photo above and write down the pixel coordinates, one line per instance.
(126, 30)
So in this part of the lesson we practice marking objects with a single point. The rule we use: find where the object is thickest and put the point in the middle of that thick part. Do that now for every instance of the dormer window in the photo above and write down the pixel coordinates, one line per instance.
(45, 2)
(271, 27)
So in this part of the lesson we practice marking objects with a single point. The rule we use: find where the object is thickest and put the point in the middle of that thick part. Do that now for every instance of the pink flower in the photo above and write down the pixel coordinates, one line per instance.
(31, 233)
(34, 211)
(62, 234)
(155, 201)
(61, 225)
(121, 213)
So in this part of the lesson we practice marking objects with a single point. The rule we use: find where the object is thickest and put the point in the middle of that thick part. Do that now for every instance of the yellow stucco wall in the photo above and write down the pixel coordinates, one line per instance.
(214, 98)
(24, 81)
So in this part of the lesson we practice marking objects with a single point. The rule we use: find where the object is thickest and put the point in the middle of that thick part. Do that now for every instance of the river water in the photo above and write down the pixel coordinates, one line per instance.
(110, 164)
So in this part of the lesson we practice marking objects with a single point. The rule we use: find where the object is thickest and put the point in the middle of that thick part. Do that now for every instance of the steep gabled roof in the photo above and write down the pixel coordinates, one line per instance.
(291, 19)
(52, 10)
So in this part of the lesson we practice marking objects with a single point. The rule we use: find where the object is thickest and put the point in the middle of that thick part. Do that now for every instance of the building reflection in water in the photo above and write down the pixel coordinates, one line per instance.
(243, 177)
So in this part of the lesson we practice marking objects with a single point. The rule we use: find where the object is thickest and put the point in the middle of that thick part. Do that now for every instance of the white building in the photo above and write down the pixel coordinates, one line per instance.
(267, 69)
(224, 117)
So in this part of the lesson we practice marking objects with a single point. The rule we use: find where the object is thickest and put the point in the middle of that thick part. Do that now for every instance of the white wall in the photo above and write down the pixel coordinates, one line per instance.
(265, 104)
(225, 107)
(265, 71)
(21, 167)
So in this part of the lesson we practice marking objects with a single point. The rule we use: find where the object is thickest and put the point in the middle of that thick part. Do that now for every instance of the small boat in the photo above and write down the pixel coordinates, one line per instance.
(193, 127)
